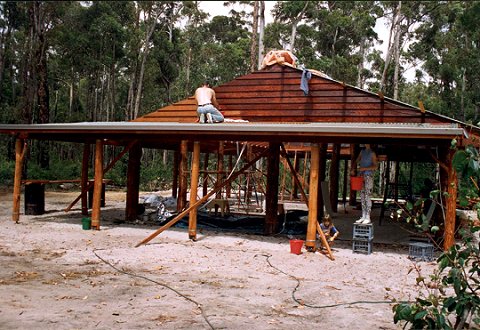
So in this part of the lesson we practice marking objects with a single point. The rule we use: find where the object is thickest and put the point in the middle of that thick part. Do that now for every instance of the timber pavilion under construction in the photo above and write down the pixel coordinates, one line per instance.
(270, 121)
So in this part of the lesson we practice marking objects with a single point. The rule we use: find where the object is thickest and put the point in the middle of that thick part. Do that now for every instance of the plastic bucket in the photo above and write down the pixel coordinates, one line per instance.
(86, 223)
(296, 246)
(356, 182)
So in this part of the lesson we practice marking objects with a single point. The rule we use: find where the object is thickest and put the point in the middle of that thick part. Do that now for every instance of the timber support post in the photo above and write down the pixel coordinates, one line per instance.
(334, 175)
(97, 185)
(133, 182)
(322, 169)
(354, 150)
(176, 156)
(192, 220)
(84, 178)
(450, 201)
(182, 192)
(271, 203)
(20, 147)
(312, 198)
(205, 174)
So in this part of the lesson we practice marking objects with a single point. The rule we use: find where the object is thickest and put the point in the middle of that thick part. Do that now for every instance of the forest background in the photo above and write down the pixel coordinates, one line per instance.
(76, 61)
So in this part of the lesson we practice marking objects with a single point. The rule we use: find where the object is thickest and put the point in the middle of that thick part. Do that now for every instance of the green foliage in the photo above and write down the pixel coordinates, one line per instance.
(450, 299)
(7, 170)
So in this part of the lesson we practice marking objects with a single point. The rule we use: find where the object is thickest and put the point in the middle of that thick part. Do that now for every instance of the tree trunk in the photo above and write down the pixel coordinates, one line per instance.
(5, 37)
(253, 43)
(361, 64)
(393, 30)
(261, 33)
(295, 22)
(396, 54)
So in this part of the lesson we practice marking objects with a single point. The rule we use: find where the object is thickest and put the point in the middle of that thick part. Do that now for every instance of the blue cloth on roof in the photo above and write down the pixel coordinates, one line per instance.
(306, 76)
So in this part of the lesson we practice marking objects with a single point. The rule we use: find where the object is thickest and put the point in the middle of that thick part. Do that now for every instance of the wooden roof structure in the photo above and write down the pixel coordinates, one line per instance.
(267, 107)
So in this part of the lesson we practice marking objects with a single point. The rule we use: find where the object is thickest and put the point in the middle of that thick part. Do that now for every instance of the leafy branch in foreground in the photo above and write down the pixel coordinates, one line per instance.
(450, 299)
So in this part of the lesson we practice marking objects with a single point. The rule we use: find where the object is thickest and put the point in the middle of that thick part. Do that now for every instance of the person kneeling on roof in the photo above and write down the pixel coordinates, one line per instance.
(207, 104)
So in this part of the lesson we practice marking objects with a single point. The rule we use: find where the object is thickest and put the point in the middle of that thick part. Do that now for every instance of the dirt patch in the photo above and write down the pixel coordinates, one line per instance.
(55, 275)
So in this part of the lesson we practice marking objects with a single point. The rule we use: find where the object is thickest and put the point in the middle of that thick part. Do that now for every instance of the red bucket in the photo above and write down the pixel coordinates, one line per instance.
(296, 246)
(356, 182)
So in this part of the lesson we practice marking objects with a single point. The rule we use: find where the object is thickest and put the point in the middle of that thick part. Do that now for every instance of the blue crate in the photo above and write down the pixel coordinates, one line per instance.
(363, 231)
(362, 246)
(421, 251)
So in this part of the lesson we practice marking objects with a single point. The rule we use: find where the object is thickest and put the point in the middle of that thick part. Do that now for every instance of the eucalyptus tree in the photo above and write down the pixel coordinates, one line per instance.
(331, 38)
(448, 45)
(291, 13)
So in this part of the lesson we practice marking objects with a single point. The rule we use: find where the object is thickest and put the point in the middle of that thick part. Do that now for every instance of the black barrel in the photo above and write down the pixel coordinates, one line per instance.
(34, 199)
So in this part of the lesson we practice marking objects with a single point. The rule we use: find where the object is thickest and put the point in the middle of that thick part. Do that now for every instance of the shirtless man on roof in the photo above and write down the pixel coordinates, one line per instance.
(207, 104)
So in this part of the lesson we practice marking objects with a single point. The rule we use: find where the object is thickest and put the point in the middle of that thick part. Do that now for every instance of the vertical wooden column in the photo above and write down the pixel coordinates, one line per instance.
(312, 198)
(353, 157)
(322, 169)
(294, 193)
(271, 206)
(175, 171)
(345, 183)
(97, 185)
(220, 169)
(17, 181)
(133, 182)
(228, 188)
(192, 220)
(334, 174)
(249, 178)
(450, 200)
(205, 174)
(182, 192)
(397, 172)
(84, 178)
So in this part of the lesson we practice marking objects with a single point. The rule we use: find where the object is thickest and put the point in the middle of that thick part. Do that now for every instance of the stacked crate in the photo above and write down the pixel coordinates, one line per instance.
(362, 238)
(421, 251)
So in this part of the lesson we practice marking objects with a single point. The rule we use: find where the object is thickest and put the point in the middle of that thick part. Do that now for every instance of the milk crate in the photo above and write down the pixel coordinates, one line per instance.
(362, 246)
(363, 231)
(421, 251)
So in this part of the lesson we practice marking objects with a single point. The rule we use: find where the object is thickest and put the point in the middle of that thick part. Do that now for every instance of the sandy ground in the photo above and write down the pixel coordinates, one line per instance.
(55, 275)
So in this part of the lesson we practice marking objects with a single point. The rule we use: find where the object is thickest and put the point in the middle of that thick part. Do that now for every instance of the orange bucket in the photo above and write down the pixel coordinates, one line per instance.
(356, 182)
(296, 246)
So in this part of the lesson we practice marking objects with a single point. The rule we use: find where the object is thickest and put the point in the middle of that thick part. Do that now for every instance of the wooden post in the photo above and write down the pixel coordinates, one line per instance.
(192, 220)
(271, 205)
(201, 200)
(345, 184)
(205, 174)
(84, 178)
(284, 179)
(322, 170)
(319, 230)
(312, 198)
(83, 194)
(20, 147)
(133, 182)
(97, 185)
(176, 156)
(294, 192)
(334, 174)
(295, 175)
(450, 199)
(220, 168)
(353, 157)
(228, 188)
(182, 192)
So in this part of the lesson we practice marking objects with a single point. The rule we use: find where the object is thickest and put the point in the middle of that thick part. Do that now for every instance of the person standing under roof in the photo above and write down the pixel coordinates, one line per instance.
(367, 161)
(207, 109)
